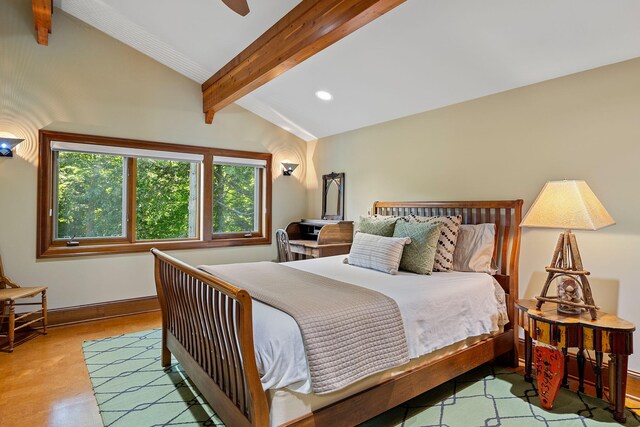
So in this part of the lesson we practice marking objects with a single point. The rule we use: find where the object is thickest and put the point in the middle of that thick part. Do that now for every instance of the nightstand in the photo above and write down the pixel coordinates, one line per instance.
(606, 334)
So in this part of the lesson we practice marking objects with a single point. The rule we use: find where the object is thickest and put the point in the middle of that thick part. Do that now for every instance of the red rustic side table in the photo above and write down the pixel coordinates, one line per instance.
(606, 334)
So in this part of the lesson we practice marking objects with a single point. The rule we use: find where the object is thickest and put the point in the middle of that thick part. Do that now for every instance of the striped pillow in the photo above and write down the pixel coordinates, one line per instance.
(447, 240)
(377, 252)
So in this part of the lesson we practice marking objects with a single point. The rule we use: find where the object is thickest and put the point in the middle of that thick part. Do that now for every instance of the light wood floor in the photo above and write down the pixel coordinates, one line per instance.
(45, 382)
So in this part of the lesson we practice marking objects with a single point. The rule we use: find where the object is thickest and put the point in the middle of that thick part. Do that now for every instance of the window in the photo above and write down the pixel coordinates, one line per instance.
(98, 194)
(166, 199)
(236, 196)
(89, 195)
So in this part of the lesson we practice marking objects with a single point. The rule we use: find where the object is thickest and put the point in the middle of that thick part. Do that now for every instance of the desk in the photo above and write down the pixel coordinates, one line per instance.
(606, 334)
(312, 249)
(314, 238)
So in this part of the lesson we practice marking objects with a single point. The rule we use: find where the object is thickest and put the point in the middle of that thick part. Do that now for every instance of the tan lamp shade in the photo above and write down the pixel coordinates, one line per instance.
(570, 205)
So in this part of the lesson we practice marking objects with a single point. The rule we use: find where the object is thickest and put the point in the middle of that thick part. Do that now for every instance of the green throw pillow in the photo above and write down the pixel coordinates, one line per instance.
(380, 226)
(419, 255)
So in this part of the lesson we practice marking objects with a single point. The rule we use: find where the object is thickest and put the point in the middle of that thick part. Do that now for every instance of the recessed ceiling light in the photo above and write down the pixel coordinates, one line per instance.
(324, 95)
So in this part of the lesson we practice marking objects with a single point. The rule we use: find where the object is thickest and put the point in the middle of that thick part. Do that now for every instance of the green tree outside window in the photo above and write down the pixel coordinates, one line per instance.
(90, 195)
(234, 199)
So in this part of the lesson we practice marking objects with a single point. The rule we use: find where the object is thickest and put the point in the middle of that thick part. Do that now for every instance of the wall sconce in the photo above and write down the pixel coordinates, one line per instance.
(7, 145)
(288, 168)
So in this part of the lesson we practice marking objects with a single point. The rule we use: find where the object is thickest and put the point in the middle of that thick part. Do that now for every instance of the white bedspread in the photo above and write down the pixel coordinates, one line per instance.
(437, 311)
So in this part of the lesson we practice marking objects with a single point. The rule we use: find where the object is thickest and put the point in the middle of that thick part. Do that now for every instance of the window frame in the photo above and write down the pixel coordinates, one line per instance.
(259, 190)
(57, 241)
(133, 211)
(48, 246)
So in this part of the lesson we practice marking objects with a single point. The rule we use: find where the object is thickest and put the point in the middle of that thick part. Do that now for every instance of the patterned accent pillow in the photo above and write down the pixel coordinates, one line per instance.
(419, 255)
(378, 225)
(447, 240)
(377, 252)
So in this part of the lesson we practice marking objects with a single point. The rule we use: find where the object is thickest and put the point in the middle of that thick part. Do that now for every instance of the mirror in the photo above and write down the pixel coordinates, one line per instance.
(333, 196)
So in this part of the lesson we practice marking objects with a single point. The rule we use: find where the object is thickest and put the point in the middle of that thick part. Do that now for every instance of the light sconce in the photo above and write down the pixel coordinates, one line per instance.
(288, 168)
(7, 145)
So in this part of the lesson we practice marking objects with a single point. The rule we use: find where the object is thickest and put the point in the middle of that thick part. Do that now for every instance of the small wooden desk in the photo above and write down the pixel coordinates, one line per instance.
(312, 249)
(606, 334)
(315, 238)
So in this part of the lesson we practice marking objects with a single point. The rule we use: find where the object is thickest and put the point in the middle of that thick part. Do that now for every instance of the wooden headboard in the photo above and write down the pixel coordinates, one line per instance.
(505, 214)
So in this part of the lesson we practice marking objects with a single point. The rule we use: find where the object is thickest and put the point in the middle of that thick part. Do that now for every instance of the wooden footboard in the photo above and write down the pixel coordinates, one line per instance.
(207, 325)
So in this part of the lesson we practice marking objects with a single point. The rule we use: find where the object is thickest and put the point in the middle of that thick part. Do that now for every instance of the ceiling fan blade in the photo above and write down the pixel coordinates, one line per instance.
(238, 6)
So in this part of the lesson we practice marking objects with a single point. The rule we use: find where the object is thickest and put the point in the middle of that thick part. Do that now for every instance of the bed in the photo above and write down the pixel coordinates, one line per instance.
(208, 325)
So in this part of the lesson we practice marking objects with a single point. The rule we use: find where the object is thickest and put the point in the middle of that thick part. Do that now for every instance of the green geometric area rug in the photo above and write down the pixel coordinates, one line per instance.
(132, 389)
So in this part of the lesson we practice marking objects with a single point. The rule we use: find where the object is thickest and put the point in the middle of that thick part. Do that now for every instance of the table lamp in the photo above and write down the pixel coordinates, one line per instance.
(568, 205)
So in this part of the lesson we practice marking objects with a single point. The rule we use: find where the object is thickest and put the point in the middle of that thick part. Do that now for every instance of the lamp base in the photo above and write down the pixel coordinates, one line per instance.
(566, 261)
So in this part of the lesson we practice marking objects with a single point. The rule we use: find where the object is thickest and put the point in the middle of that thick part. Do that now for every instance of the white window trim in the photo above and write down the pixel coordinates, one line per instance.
(239, 161)
(125, 151)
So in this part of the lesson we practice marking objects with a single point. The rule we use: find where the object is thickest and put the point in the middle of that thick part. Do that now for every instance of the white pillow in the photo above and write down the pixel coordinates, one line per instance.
(474, 248)
(377, 252)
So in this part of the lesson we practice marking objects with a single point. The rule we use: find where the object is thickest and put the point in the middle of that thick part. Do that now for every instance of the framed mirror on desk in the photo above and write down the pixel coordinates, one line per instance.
(333, 196)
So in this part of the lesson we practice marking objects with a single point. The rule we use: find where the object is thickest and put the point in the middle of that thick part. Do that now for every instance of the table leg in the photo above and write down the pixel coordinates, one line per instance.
(612, 380)
(581, 363)
(527, 357)
(598, 374)
(565, 377)
(621, 387)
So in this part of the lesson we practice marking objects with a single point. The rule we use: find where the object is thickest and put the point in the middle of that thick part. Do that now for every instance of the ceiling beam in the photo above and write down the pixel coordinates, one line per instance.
(42, 10)
(307, 29)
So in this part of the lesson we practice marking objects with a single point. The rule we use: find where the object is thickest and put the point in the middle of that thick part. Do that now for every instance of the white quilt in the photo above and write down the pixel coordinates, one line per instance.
(437, 311)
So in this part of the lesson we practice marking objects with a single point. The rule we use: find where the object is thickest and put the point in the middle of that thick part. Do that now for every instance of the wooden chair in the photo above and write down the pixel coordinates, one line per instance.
(284, 250)
(9, 293)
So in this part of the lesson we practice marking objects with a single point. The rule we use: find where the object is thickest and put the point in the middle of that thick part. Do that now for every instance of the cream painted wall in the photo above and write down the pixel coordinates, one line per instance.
(506, 146)
(87, 82)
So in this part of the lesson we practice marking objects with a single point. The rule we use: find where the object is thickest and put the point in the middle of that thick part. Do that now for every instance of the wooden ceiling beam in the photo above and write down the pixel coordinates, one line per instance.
(307, 29)
(42, 10)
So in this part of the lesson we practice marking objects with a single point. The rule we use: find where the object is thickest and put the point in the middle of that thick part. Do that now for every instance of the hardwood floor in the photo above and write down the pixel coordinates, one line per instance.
(44, 382)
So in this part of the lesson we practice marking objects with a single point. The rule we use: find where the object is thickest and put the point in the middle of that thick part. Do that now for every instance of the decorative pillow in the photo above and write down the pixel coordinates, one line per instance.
(378, 225)
(419, 255)
(474, 249)
(377, 252)
(447, 240)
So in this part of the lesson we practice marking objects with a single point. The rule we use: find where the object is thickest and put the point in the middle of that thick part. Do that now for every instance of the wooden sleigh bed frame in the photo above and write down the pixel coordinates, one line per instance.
(207, 326)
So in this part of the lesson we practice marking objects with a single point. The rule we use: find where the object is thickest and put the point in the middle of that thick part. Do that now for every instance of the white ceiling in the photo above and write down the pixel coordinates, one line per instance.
(423, 55)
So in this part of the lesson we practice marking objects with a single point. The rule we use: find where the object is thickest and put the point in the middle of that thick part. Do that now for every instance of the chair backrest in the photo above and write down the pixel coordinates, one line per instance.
(282, 241)
(2, 282)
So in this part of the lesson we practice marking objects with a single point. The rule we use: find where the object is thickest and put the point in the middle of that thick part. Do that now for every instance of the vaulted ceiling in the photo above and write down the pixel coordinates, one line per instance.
(422, 55)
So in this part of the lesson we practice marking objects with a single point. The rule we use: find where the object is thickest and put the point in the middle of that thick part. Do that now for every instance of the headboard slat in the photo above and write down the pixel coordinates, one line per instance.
(505, 240)
(497, 217)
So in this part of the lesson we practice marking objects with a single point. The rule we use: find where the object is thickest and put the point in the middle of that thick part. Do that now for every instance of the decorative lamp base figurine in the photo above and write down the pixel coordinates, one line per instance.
(566, 264)
(569, 291)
